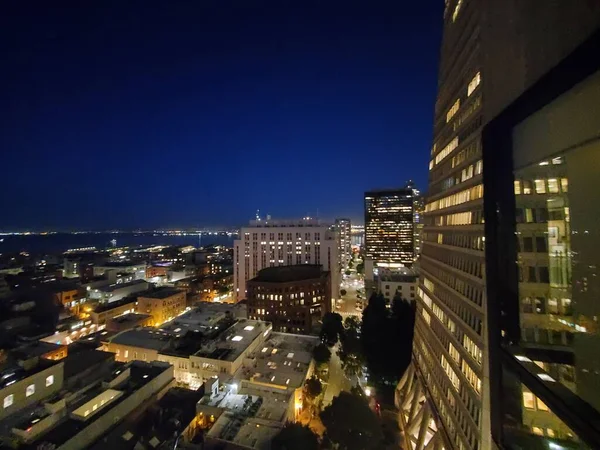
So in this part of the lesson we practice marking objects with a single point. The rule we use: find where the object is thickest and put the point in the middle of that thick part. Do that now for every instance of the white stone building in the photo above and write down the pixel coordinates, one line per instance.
(268, 243)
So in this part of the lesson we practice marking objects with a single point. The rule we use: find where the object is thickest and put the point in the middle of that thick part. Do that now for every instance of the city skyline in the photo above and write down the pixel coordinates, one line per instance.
(121, 118)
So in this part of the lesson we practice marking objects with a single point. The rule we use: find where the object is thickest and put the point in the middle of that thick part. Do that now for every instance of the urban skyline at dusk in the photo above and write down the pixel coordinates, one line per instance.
(127, 117)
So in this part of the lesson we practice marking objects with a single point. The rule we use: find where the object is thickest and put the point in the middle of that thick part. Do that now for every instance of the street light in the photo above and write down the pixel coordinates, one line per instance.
(368, 391)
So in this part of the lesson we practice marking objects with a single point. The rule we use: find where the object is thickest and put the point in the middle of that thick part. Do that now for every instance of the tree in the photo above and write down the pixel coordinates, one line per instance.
(321, 354)
(360, 268)
(350, 352)
(332, 328)
(343, 292)
(313, 387)
(348, 273)
(294, 436)
(351, 424)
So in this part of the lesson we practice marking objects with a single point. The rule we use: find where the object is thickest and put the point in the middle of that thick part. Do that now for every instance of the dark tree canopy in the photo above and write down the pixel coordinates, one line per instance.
(343, 292)
(321, 354)
(313, 387)
(332, 328)
(294, 436)
(351, 424)
(360, 267)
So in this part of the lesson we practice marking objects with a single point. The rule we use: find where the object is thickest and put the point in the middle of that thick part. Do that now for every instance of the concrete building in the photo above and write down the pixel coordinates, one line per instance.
(389, 230)
(128, 321)
(196, 356)
(418, 210)
(402, 282)
(343, 228)
(162, 303)
(76, 418)
(107, 311)
(114, 292)
(268, 243)
(505, 312)
(138, 269)
(27, 377)
(293, 298)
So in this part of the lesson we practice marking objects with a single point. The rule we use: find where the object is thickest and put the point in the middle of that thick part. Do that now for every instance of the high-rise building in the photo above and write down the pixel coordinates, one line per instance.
(343, 227)
(389, 230)
(507, 306)
(418, 209)
(271, 243)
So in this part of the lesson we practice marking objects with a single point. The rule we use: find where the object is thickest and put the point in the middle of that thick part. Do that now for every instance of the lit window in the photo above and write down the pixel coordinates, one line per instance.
(426, 316)
(456, 10)
(541, 405)
(564, 185)
(517, 187)
(550, 432)
(9, 400)
(453, 352)
(526, 187)
(540, 187)
(237, 338)
(545, 377)
(126, 353)
(453, 110)
(30, 390)
(49, 380)
(474, 83)
(528, 400)
(248, 328)
(538, 431)
(553, 185)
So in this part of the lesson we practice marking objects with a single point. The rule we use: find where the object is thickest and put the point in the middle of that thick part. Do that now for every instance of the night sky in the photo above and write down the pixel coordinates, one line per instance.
(181, 114)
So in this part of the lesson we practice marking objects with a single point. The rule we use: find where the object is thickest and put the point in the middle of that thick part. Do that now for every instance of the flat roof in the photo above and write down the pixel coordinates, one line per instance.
(283, 360)
(131, 317)
(116, 286)
(149, 338)
(140, 374)
(160, 292)
(283, 274)
(116, 304)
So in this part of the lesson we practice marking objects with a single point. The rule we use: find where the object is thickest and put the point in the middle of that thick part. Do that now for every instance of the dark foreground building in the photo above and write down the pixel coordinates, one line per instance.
(293, 298)
(506, 342)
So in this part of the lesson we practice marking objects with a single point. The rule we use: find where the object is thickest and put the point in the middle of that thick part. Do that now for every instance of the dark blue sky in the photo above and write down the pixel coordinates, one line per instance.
(165, 113)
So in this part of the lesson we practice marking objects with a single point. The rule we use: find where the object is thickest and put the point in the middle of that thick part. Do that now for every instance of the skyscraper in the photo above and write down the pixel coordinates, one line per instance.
(343, 229)
(418, 209)
(272, 243)
(388, 229)
(505, 321)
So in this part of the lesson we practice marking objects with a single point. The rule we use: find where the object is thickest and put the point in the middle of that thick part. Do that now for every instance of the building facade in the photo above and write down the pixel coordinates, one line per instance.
(292, 298)
(403, 283)
(389, 229)
(500, 354)
(162, 304)
(271, 243)
(343, 228)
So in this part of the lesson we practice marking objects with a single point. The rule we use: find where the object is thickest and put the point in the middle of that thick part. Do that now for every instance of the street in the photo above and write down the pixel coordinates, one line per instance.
(337, 378)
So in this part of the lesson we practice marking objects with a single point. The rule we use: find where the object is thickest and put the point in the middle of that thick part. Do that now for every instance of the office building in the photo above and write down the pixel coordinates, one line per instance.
(269, 243)
(502, 353)
(389, 230)
(418, 209)
(401, 282)
(162, 303)
(292, 298)
(343, 228)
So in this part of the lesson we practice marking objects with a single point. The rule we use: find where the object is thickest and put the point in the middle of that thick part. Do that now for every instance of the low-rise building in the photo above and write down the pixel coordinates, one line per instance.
(162, 303)
(402, 282)
(107, 311)
(293, 298)
(129, 321)
(139, 269)
(27, 377)
(116, 291)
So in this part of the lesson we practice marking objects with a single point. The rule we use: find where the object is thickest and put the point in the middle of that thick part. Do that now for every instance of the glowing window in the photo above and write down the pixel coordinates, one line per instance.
(249, 328)
(30, 390)
(474, 83)
(49, 380)
(540, 187)
(9, 400)
(237, 338)
(528, 400)
(553, 185)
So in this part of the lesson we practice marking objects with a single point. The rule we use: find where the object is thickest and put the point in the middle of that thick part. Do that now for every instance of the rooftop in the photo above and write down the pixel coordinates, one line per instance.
(116, 286)
(140, 375)
(285, 274)
(160, 292)
(108, 306)
(121, 264)
(283, 360)
(130, 318)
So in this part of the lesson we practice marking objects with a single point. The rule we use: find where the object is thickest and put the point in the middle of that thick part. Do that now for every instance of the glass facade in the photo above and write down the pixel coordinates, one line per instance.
(543, 246)
(389, 227)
